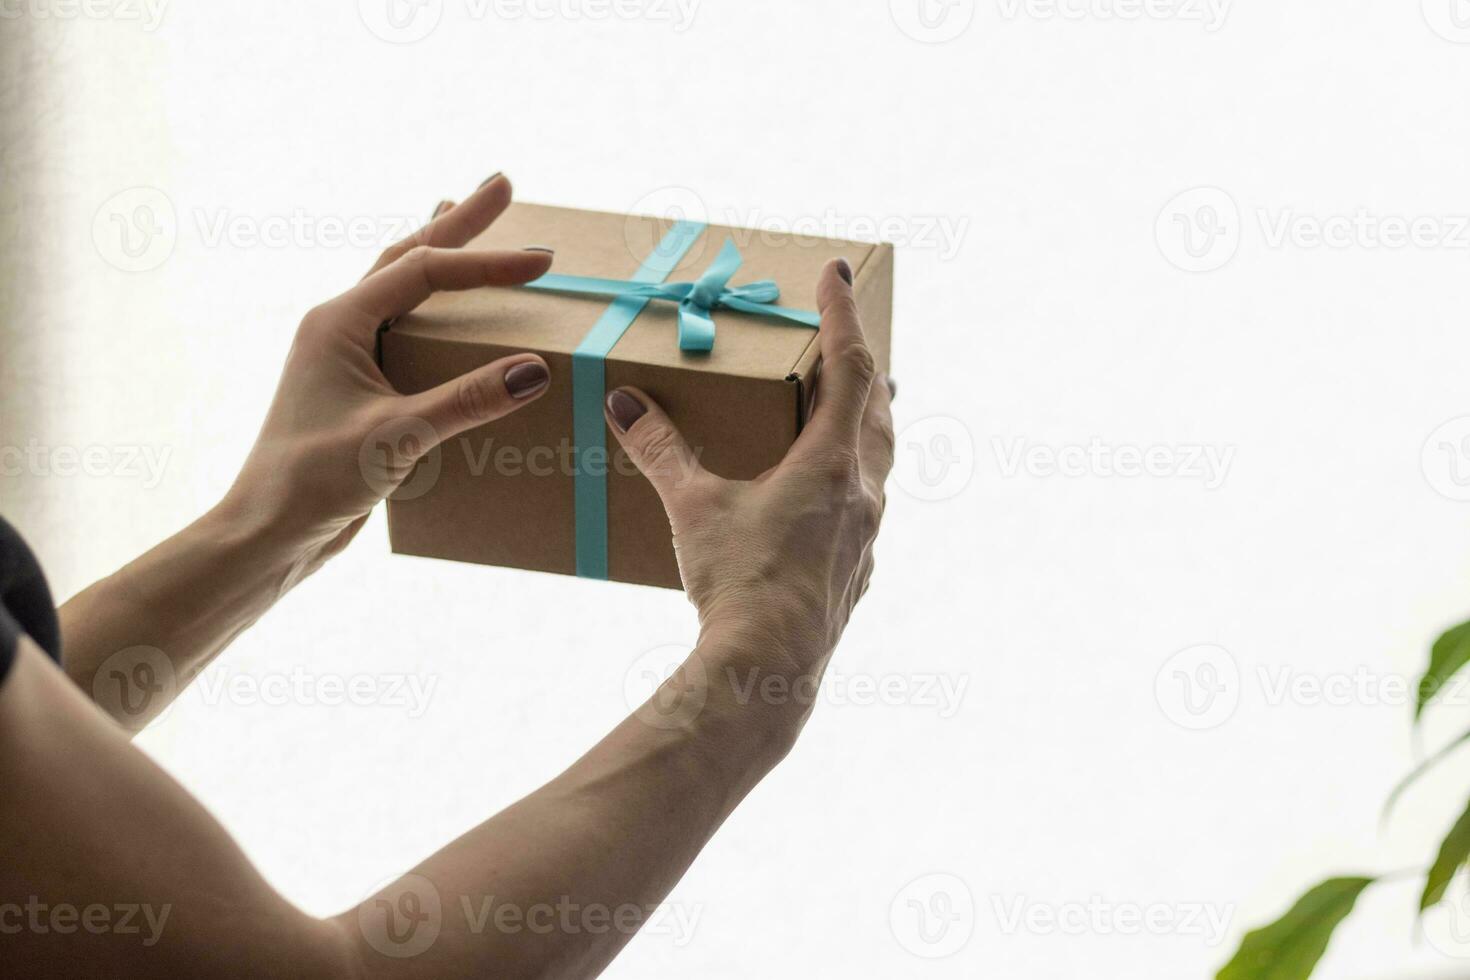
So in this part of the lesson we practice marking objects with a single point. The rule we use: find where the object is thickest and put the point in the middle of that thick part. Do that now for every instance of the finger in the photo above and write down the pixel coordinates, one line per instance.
(423, 271)
(454, 226)
(876, 442)
(654, 443)
(483, 395)
(848, 369)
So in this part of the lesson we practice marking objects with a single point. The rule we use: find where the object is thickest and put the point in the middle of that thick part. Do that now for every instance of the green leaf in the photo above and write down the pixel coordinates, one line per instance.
(1450, 653)
(1452, 854)
(1420, 770)
(1289, 948)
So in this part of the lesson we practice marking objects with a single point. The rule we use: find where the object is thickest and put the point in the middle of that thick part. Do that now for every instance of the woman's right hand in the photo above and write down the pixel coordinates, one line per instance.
(775, 565)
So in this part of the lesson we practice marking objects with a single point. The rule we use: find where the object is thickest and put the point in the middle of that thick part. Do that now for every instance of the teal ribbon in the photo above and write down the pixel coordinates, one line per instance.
(697, 300)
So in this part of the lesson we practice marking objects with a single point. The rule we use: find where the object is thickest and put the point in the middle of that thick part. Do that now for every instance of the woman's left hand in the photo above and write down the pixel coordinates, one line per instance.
(338, 438)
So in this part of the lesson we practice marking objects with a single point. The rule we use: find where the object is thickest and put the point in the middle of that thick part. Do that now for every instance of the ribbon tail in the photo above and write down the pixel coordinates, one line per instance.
(696, 328)
(806, 318)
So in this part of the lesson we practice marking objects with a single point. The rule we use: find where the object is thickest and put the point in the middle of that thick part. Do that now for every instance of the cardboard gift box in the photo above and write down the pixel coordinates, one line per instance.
(521, 492)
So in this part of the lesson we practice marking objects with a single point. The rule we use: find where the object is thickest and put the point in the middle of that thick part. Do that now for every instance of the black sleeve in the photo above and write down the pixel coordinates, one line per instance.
(25, 601)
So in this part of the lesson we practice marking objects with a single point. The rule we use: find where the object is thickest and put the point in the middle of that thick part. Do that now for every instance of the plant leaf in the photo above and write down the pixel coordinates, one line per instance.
(1450, 653)
(1452, 854)
(1289, 948)
(1420, 770)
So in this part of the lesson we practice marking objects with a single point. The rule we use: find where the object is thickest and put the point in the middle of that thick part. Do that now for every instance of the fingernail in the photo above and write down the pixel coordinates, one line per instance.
(540, 248)
(490, 178)
(892, 388)
(624, 409)
(442, 206)
(845, 271)
(525, 379)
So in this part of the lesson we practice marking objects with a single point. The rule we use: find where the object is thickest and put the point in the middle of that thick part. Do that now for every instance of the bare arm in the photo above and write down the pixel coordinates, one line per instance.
(774, 566)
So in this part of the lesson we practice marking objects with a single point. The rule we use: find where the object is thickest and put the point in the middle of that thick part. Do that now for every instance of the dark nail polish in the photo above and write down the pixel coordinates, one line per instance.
(525, 379)
(490, 178)
(624, 409)
(539, 248)
(892, 388)
(442, 206)
(845, 271)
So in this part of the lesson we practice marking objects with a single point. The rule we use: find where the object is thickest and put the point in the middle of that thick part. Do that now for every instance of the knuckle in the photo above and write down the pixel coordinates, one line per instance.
(476, 398)
(418, 254)
(858, 359)
(658, 446)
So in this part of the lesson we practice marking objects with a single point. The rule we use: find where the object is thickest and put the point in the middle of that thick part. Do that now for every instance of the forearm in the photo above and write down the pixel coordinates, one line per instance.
(184, 601)
(556, 885)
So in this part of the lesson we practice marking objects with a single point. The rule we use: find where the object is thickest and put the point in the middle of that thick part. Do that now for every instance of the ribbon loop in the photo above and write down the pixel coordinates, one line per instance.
(697, 301)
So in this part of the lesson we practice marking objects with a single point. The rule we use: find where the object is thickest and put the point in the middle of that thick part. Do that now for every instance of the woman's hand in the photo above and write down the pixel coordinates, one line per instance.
(775, 565)
(338, 438)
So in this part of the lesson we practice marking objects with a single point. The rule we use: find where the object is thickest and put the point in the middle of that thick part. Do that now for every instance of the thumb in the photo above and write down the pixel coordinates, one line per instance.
(653, 442)
(483, 395)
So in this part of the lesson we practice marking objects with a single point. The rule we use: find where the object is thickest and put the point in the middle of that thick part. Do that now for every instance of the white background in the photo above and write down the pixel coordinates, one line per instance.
(1030, 169)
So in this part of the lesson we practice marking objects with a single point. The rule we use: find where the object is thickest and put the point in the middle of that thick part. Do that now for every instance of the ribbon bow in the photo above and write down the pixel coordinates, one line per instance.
(697, 300)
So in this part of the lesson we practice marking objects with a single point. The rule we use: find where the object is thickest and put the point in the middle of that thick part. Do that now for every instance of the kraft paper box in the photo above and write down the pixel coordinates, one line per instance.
(508, 493)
